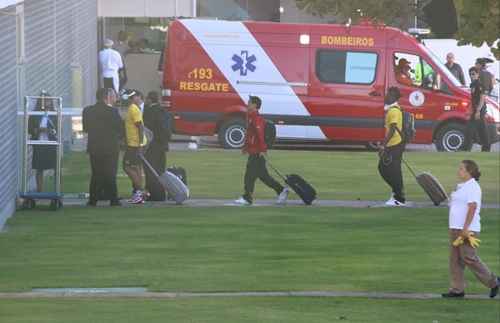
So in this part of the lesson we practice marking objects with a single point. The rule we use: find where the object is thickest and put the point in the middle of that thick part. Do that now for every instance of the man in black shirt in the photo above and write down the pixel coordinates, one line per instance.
(104, 126)
(158, 121)
(485, 78)
(455, 68)
(477, 124)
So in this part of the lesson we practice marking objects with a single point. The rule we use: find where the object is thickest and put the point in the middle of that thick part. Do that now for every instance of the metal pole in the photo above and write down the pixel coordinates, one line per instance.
(25, 147)
(59, 147)
(416, 14)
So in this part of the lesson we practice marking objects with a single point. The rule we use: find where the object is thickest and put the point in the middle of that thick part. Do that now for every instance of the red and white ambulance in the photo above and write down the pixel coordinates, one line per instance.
(317, 82)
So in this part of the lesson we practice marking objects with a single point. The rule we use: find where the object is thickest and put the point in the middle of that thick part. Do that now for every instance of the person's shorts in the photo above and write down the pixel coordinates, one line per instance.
(131, 157)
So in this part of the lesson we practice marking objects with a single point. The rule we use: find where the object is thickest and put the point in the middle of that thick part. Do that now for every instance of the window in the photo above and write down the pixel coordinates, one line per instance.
(334, 66)
(412, 70)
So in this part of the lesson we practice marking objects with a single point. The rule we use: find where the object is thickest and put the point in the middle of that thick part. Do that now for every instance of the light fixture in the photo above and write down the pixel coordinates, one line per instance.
(305, 39)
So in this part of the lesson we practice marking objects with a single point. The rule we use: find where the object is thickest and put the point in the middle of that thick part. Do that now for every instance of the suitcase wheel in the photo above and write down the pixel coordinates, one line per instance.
(29, 204)
(56, 205)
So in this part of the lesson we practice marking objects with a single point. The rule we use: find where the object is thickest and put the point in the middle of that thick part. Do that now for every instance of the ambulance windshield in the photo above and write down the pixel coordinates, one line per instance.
(442, 67)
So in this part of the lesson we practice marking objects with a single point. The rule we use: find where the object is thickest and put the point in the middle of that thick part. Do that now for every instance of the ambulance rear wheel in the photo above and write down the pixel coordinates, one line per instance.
(232, 133)
(451, 137)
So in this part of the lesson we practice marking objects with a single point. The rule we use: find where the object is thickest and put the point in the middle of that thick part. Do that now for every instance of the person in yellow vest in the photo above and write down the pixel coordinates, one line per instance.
(136, 140)
(421, 72)
(392, 148)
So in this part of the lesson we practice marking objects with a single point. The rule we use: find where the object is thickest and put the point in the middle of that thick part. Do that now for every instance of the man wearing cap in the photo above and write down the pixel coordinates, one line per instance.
(455, 68)
(403, 72)
(136, 140)
(111, 63)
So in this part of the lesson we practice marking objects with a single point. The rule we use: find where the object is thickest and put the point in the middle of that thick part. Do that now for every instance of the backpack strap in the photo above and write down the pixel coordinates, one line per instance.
(402, 121)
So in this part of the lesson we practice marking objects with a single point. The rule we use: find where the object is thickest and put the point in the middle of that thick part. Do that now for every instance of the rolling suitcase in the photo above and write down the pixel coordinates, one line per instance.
(172, 184)
(299, 185)
(179, 172)
(430, 185)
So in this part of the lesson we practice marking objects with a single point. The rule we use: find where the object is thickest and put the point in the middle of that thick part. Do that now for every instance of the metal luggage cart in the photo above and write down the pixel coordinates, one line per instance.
(29, 196)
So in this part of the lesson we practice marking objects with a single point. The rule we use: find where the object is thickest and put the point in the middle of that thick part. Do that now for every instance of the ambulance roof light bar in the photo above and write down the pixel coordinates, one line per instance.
(419, 31)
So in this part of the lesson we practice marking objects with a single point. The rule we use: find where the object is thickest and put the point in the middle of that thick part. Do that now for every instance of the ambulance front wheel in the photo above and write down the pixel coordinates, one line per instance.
(232, 133)
(451, 137)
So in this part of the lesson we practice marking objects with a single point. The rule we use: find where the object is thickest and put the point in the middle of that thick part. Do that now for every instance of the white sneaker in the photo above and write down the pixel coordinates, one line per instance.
(394, 202)
(391, 201)
(242, 201)
(283, 196)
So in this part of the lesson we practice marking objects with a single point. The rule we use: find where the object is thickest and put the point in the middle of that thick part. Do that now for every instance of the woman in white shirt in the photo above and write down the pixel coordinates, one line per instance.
(464, 219)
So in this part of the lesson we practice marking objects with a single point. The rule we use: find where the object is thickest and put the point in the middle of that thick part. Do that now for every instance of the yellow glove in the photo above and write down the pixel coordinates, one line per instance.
(474, 242)
(458, 241)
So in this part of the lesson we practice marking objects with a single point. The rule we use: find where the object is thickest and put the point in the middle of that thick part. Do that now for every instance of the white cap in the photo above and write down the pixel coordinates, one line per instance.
(108, 43)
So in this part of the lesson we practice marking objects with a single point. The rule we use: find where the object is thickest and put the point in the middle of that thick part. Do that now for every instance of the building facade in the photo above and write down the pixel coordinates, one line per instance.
(46, 45)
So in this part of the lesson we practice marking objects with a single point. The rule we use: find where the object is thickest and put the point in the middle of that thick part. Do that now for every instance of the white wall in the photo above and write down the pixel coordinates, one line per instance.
(464, 55)
(146, 8)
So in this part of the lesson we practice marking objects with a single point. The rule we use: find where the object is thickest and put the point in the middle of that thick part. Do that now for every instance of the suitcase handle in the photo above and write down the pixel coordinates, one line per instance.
(274, 169)
(409, 168)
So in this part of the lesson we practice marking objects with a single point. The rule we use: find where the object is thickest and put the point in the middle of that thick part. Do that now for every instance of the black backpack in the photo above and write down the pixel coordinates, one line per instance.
(269, 133)
(408, 132)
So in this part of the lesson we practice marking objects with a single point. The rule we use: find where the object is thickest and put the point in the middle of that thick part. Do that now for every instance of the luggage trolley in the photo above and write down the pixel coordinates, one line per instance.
(29, 196)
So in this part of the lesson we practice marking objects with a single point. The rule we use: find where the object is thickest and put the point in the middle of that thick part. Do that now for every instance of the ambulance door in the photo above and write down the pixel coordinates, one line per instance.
(423, 93)
(347, 93)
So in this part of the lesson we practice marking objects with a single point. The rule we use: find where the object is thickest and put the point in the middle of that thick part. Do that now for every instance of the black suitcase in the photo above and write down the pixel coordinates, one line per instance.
(299, 185)
(430, 185)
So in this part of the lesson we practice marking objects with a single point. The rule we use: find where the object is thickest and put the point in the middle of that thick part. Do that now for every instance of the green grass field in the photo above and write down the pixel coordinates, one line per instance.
(285, 310)
(250, 249)
(339, 175)
(235, 249)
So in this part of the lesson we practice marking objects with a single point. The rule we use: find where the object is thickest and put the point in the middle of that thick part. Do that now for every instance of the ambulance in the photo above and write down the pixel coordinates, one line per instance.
(317, 82)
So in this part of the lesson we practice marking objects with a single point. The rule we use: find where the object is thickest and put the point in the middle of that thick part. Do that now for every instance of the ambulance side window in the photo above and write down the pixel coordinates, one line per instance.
(346, 67)
(412, 70)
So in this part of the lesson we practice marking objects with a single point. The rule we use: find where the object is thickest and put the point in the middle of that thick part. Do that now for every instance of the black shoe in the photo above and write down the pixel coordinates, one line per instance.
(453, 295)
(494, 290)
(92, 203)
(115, 203)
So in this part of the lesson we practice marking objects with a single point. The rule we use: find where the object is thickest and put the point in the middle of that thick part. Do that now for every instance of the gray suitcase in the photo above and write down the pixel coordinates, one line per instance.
(430, 185)
(172, 184)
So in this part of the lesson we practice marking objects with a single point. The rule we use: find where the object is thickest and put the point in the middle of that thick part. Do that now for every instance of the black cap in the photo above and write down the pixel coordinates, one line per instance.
(484, 60)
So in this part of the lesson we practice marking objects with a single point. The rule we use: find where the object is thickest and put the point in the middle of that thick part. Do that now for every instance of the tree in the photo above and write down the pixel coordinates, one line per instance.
(478, 20)
(398, 13)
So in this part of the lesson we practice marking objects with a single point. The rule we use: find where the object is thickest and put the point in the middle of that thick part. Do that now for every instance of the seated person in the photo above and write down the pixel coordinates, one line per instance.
(403, 72)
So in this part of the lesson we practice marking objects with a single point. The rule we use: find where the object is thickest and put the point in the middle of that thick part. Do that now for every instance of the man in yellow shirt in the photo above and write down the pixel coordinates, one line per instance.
(134, 129)
(391, 150)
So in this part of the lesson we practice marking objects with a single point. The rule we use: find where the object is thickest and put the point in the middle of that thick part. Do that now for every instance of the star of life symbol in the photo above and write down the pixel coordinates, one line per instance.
(244, 63)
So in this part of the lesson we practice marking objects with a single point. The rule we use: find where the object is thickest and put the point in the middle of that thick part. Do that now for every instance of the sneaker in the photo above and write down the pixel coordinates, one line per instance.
(137, 198)
(453, 295)
(394, 202)
(242, 201)
(390, 201)
(283, 196)
(494, 290)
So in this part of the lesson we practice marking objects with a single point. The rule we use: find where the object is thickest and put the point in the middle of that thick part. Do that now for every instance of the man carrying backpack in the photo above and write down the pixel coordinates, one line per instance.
(256, 148)
(391, 150)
